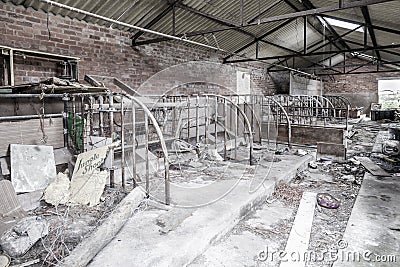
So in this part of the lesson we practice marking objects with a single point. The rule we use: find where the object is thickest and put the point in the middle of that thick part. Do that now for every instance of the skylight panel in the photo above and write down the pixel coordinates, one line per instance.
(343, 24)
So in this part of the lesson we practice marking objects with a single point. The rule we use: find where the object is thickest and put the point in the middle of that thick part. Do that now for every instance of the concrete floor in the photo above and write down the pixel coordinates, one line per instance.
(142, 243)
(248, 239)
(373, 230)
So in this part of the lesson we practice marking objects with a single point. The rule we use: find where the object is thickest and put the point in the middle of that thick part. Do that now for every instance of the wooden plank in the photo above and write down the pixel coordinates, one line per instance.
(299, 236)
(29, 132)
(372, 167)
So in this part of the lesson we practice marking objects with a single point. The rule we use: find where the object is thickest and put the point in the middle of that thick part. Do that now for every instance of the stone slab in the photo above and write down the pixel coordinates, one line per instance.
(299, 236)
(32, 167)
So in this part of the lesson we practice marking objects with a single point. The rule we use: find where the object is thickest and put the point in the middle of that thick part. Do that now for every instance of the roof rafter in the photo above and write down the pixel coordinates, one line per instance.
(322, 53)
(365, 12)
(166, 11)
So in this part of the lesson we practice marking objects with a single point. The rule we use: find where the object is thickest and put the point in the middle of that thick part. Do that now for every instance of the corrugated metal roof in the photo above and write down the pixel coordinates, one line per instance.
(142, 12)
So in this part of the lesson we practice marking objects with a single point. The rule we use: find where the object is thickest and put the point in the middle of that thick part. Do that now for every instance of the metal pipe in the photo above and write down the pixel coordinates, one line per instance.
(133, 143)
(216, 122)
(146, 153)
(197, 119)
(27, 117)
(12, 81)
(206, 121)
(225, 127)
(188, 119)
(160, 34)
(101, 116)
(91, 99)
(111, 118)
(74, 121)
(128, 25)
(31, 95)
(83, 134)
(122, 143)
(65, 119)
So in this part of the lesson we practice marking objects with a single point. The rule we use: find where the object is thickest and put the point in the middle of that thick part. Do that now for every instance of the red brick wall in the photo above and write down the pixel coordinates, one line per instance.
(103, 51)
(357, 83)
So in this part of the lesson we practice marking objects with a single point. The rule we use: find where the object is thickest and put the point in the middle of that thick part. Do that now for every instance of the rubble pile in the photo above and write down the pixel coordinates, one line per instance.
(44, 215)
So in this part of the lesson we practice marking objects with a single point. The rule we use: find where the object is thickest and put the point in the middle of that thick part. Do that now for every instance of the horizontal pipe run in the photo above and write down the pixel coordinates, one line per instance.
(28, 117)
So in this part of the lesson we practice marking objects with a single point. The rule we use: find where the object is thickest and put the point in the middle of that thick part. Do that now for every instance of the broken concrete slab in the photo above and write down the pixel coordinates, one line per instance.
(32, 167)
(372, 167)
(21, 237)
(58, 191)
(299, 236)
(10, 208)
(30, 201)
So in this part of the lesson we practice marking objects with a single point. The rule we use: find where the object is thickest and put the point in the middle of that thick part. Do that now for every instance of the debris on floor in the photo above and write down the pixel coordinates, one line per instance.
(327, 201)
(58, 192)
(22, 236)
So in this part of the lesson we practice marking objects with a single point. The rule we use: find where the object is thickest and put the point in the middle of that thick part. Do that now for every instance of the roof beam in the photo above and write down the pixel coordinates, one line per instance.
(357, 72)
(308, 5)
(376, 27)
(322, 53)
(236, 26)
(318, 11)
(259, 38)
(321, 46)
(289, 3)
(371, 31)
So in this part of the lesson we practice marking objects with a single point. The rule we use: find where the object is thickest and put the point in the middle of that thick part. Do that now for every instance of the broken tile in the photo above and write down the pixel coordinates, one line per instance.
(58, 192)
(18, 240)
(10, 208)
(32, 167)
